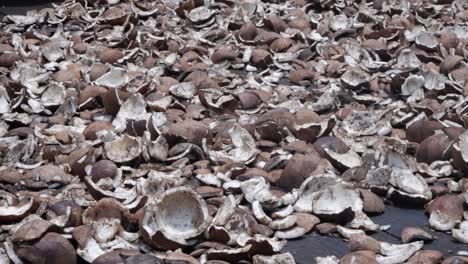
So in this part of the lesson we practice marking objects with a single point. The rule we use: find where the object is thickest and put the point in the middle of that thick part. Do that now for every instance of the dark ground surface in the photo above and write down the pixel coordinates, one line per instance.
(312, 245)
(8, 7)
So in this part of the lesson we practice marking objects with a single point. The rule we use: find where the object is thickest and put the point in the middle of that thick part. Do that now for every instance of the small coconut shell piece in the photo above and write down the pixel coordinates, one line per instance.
(359, 257)
(55, 249)
(451, 205)
(261, 58)
(283, 223)
(92, 130)
(290, 233)
(393, 253)
(306, 221)
(364, 242)
(109, 55)
(450, 63)
(283, 212)
(355, 78)
(275, 259)
(412, 84)
(179, 214)
(33, 230)
(233, 255)
(259, 214)
(123, 149)
(122, 256)
(461, 233)
(188, 130)
(17, 212)
(298, 168)
(103, 169)
(432, 148)
(337, 203)
(426, 256)
(372, 203)
(343, 161)
(410, 234)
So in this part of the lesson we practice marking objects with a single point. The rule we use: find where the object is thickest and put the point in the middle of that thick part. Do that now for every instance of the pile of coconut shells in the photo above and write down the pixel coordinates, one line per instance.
(190, 131)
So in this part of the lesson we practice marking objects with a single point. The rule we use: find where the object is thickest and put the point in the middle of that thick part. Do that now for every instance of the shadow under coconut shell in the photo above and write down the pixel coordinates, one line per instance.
(314, 245)
(21, 7)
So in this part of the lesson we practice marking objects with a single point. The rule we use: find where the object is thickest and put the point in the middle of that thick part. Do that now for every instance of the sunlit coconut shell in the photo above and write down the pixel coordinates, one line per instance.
(9, 59)
(115, 78)
(188, 130)
(281, 44)
(16, 213)
(364, 242)
(450, 63)
(248, 31)
(408, 60)
(201, 15)
(89, 93)
(359, 257)
(426, 256)
(52, 248)
(51, 173)
(69, 209)
(421, 129)
(33, 230)
(310, 189)
(306, 221)
(300, 75)
(426, 41)
(410, 188)
(233, 255)
(298, 168)
(343, 161)
(123, 256)
(249, 100)
(123, 149)
(326, 228)
(275, 22)
(432, 148)
(103, 169)
(461, 233)
(279, 258)
(88, 249)
(261, 58)
(410, 234)
(185, 90)
(393, 253)
(91, 131)
(108, 55)
(337, 203)
(373, 204)
(283, 223)
(449, 39)
(332, 143)
(355, 78)
(412, 84)
(52, 51)
(348, 232)
(97, 70)
(451, 205)
(179, 214)
(290, 233)
(265, 37)
(223, 53)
